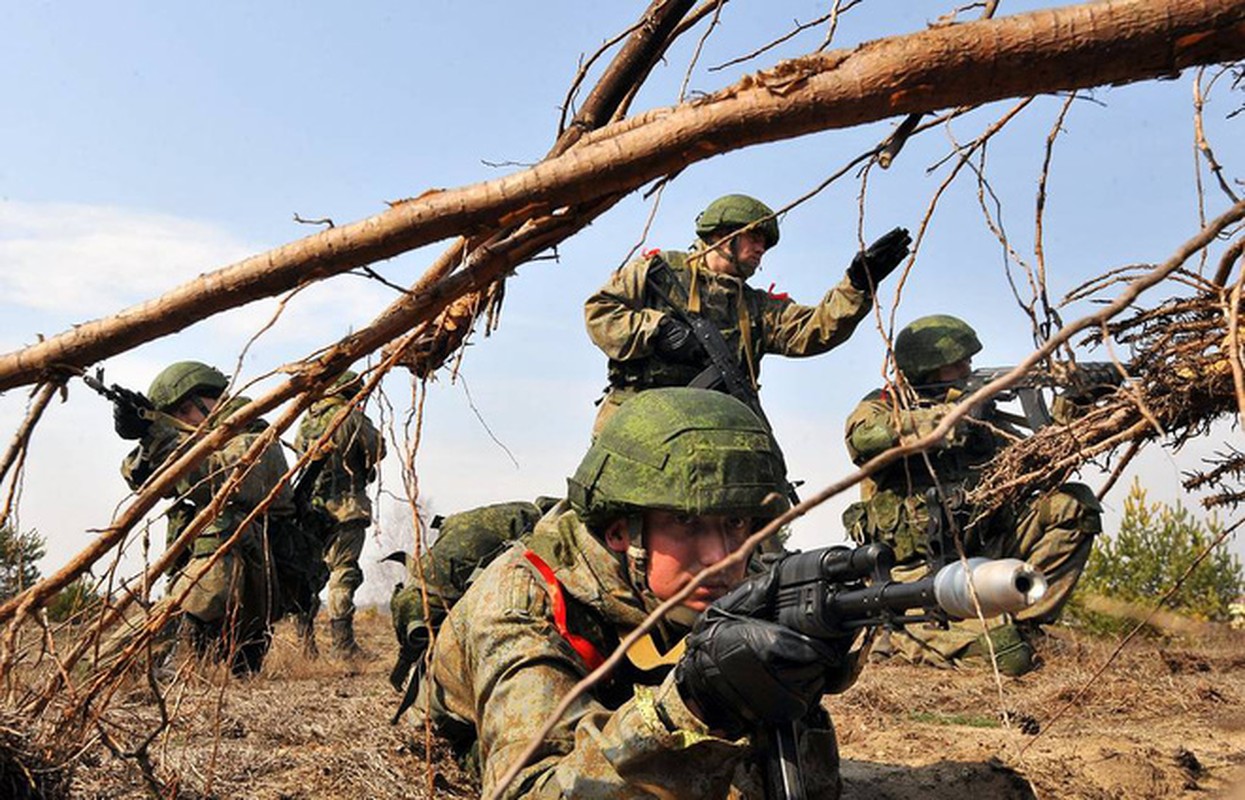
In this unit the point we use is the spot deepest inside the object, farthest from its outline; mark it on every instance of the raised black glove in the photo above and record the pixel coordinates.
(873, 264)
(127, 417)
(675, 341)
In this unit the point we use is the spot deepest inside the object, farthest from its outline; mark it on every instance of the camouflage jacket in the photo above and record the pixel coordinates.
(892, 505)
(353, 453)
(622, 320)
(195, 490)
(500, 667)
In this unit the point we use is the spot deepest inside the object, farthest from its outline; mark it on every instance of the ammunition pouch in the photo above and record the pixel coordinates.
(889, 518)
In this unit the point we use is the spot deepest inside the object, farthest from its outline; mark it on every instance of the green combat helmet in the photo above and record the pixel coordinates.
(679, 449)
(347, 384)
(178, 381)
(930, 343)
(734, 211)
(691, 451)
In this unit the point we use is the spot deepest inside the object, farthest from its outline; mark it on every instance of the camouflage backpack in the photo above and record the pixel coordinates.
(466, 543)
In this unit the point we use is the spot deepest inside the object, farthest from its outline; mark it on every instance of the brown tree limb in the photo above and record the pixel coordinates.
(307, 382)
(646, 42)
(1044, 51)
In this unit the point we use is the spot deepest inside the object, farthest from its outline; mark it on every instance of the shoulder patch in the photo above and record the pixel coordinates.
(650, 253)
(783, 296)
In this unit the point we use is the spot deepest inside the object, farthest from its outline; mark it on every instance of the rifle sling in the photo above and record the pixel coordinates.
(722, 361)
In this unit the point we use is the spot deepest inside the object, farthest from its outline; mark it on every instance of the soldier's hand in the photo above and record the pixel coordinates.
(873, 264)
(675, 341)
(739, 673)
(128, 417)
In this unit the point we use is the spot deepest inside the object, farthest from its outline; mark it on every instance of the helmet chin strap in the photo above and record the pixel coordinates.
(741, 269)
(197, 400)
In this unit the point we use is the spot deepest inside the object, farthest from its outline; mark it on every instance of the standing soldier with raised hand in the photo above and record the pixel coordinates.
(339, 473)
(676, 318)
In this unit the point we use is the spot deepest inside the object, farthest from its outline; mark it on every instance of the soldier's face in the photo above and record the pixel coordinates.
(749, 249)
(681, 546)
(957, 371)
(191, 412)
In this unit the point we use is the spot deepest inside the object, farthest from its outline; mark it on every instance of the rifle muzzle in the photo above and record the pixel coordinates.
(998, 586)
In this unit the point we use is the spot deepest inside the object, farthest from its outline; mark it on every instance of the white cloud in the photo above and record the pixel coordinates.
(93, 260)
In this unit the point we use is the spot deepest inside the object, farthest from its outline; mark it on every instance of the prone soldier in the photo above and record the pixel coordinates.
(674, 482)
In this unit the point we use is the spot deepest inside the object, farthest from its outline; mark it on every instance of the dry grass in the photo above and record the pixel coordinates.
(1163, 721)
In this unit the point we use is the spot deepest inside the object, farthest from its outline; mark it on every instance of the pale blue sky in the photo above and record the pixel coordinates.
(148, 142)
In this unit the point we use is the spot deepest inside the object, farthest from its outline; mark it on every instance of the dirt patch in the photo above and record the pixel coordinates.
(1164, 721)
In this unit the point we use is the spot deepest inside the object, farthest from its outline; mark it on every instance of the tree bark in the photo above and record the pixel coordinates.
(646, 44)
(1051, 50)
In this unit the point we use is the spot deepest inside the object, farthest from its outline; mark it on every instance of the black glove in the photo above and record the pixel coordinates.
(740, 672)
(675, 341)
(870, 266)
(127, 417)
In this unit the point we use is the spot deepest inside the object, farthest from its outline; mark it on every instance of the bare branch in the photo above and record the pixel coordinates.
(1026, 53)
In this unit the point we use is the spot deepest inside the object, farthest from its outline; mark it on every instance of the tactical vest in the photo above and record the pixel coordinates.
(894, 505)
(356, 448)
(664, 269)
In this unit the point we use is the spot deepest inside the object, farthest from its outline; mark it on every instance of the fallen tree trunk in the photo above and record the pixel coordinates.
(1043, 51)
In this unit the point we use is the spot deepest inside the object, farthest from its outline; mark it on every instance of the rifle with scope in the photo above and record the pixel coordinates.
(834, 592)
(1080, 382)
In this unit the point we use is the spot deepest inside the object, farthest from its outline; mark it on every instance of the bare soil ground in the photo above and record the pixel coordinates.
(1165, 720)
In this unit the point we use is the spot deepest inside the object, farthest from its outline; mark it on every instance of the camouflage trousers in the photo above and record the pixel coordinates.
(1054, 533)
(227, 606)
(342, 559)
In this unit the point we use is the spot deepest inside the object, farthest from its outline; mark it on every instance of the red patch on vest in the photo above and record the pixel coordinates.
(650, 253)
(777, 295)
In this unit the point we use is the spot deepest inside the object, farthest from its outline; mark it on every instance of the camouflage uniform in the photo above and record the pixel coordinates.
(1054, 532)
(622, 319)
(230, 602)
(466, 542)
(500, 667)
(339, 492)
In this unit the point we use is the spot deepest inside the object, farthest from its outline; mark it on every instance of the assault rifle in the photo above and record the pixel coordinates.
(1084, 380)
(132, 414)
(833, 592)
(723, 372)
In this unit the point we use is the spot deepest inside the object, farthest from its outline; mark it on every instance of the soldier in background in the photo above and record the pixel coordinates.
(674, 482)
(640, 317)
(227, 611)
(1054, 532)
(339, 474)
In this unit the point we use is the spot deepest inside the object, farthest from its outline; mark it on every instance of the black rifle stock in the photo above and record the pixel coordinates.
(834, 592)
(723, 371)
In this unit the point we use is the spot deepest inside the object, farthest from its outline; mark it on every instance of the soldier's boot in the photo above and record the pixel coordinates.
(344, 644)
(1013, 654)
(305, 626)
